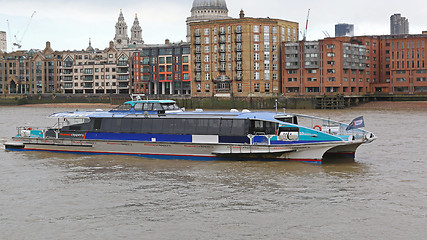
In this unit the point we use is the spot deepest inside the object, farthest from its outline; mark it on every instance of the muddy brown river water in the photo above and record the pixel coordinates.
(382, 195)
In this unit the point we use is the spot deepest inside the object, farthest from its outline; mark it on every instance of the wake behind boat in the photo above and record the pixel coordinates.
(160, 129)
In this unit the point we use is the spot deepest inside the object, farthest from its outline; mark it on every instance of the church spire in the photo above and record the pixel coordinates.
(90, 48)
(121, 38)
(136, 32)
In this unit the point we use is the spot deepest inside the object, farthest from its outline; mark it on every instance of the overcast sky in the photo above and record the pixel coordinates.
(68, 24)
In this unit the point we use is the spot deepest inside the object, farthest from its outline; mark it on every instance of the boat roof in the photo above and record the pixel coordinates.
(150, 101)
(266, 116)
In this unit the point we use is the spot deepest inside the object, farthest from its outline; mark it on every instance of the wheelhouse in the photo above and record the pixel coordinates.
(148, 105)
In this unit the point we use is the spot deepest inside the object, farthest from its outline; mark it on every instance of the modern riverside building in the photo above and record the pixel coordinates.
(398, 25)
(355, 66)
(32, 71)
(238, 57)
(162, 69)
(344, 30)
(95, 71)
(3, 42)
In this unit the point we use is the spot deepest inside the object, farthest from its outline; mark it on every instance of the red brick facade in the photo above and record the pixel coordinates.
(355, 66)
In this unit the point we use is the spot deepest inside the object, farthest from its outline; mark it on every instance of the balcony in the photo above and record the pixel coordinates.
(88, 78)
(67, 72)
(222, 90)
(122, 71)
(123, 64)
(123, 85)
(123, 78)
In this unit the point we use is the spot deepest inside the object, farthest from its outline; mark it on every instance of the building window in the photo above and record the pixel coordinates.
(256, 29)
(256, 87)
(267, 87)
(274, 67)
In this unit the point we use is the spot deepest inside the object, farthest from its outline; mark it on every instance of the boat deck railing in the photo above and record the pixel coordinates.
(55, 141)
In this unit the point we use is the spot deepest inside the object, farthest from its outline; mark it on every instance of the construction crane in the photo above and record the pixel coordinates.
(306, 26)
(18, 42)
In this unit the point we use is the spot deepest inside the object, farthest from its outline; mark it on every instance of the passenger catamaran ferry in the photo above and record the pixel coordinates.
(160, 129)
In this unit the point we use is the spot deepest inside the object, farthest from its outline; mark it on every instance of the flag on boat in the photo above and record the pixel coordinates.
(356, 123)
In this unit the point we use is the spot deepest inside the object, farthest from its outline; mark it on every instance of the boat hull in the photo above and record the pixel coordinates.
(188, 151)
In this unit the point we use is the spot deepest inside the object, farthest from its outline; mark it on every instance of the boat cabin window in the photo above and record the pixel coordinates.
(123, 107)
(288, 119)
(262, 127)
(97, 123)
(138, 107)
(157, 107)
(170, 106)
(175, 126)
(147, 106)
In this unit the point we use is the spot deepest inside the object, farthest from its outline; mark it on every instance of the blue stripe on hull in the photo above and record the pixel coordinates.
(186, 138)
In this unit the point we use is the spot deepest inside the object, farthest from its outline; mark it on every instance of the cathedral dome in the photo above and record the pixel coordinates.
(209, 5)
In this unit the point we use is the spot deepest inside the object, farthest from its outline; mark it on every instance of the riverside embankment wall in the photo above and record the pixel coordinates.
(294, 102)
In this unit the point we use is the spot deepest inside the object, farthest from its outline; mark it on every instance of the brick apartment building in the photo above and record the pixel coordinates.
(96, 72)
(239, 57)
(403, 67)
(30, 72)
(355, 66)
